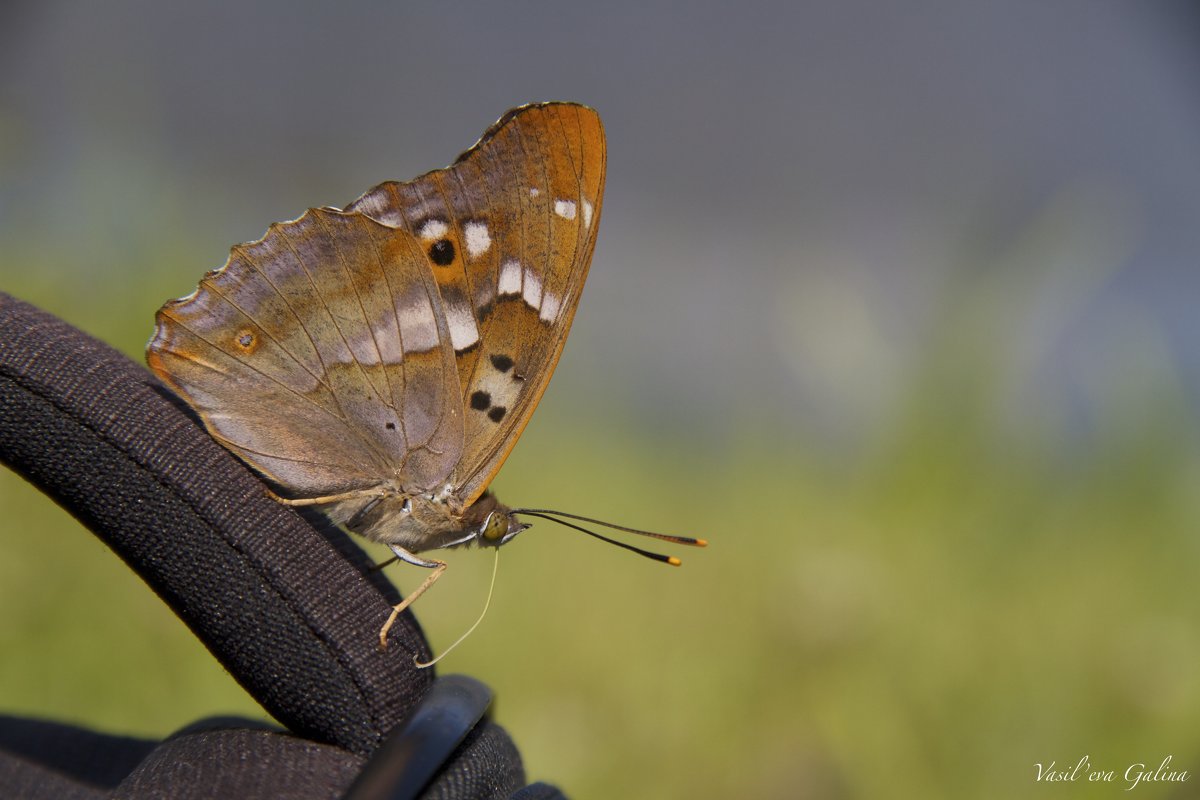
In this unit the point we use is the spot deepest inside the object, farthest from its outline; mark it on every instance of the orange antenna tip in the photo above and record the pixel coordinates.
(673, 561)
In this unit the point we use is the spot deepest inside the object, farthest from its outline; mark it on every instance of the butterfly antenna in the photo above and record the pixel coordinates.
(491, 590)
(554, 516)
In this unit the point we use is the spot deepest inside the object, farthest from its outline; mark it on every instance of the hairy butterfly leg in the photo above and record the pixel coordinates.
(438, 568)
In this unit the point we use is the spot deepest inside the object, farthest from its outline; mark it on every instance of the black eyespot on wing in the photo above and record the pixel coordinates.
(480, 400)
(496, 413)
(502, 362)
(391, 426)
(442, 252)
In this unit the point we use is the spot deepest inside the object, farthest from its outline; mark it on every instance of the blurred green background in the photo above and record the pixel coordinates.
(894, 305)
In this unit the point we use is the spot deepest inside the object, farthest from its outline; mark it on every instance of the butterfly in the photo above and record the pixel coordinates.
(380, 361)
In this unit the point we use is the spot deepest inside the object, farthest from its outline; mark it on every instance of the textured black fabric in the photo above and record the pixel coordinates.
(95, 432)
(246, 764)
(47, 759)
(539, 791)
(289, 608)
(485, 744)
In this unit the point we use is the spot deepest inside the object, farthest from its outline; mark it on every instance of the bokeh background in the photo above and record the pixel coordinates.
(894, 303)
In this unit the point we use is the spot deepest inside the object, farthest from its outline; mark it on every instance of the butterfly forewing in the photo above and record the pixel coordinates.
(334, 324)
(510, 228)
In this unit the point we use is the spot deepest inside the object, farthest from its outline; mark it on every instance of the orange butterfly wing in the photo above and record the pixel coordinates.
(510, 229)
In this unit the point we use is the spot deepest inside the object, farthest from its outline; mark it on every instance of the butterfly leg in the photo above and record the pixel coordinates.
(329, 498)
(438, 568)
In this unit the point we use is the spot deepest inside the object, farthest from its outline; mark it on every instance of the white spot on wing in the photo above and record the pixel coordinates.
(463, 332)
(478, 239)
(503, 389)
(418, 328)
(533, 191)
(550, 303)
(587, 214)
(565, 208)
(370, 351)
(433, 229)
(532, 289)
(389, 350)
(510, 278)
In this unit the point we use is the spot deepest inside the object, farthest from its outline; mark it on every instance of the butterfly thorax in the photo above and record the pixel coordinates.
(432, 521)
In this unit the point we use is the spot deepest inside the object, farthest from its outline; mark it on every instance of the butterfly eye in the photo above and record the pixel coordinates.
(495, 527)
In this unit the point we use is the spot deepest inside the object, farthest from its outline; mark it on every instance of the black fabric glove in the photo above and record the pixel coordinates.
(289, 607)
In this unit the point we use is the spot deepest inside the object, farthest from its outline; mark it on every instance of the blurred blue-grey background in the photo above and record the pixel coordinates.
(894, 303)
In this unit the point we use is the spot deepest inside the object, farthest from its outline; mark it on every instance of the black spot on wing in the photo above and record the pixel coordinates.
(442, 252)
(482, 401)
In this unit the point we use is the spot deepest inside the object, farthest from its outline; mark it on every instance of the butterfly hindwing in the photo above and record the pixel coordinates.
(334, 324)
(510, 229)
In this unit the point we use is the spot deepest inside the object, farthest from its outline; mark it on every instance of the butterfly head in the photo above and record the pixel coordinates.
(500, 527)
(492, 522)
